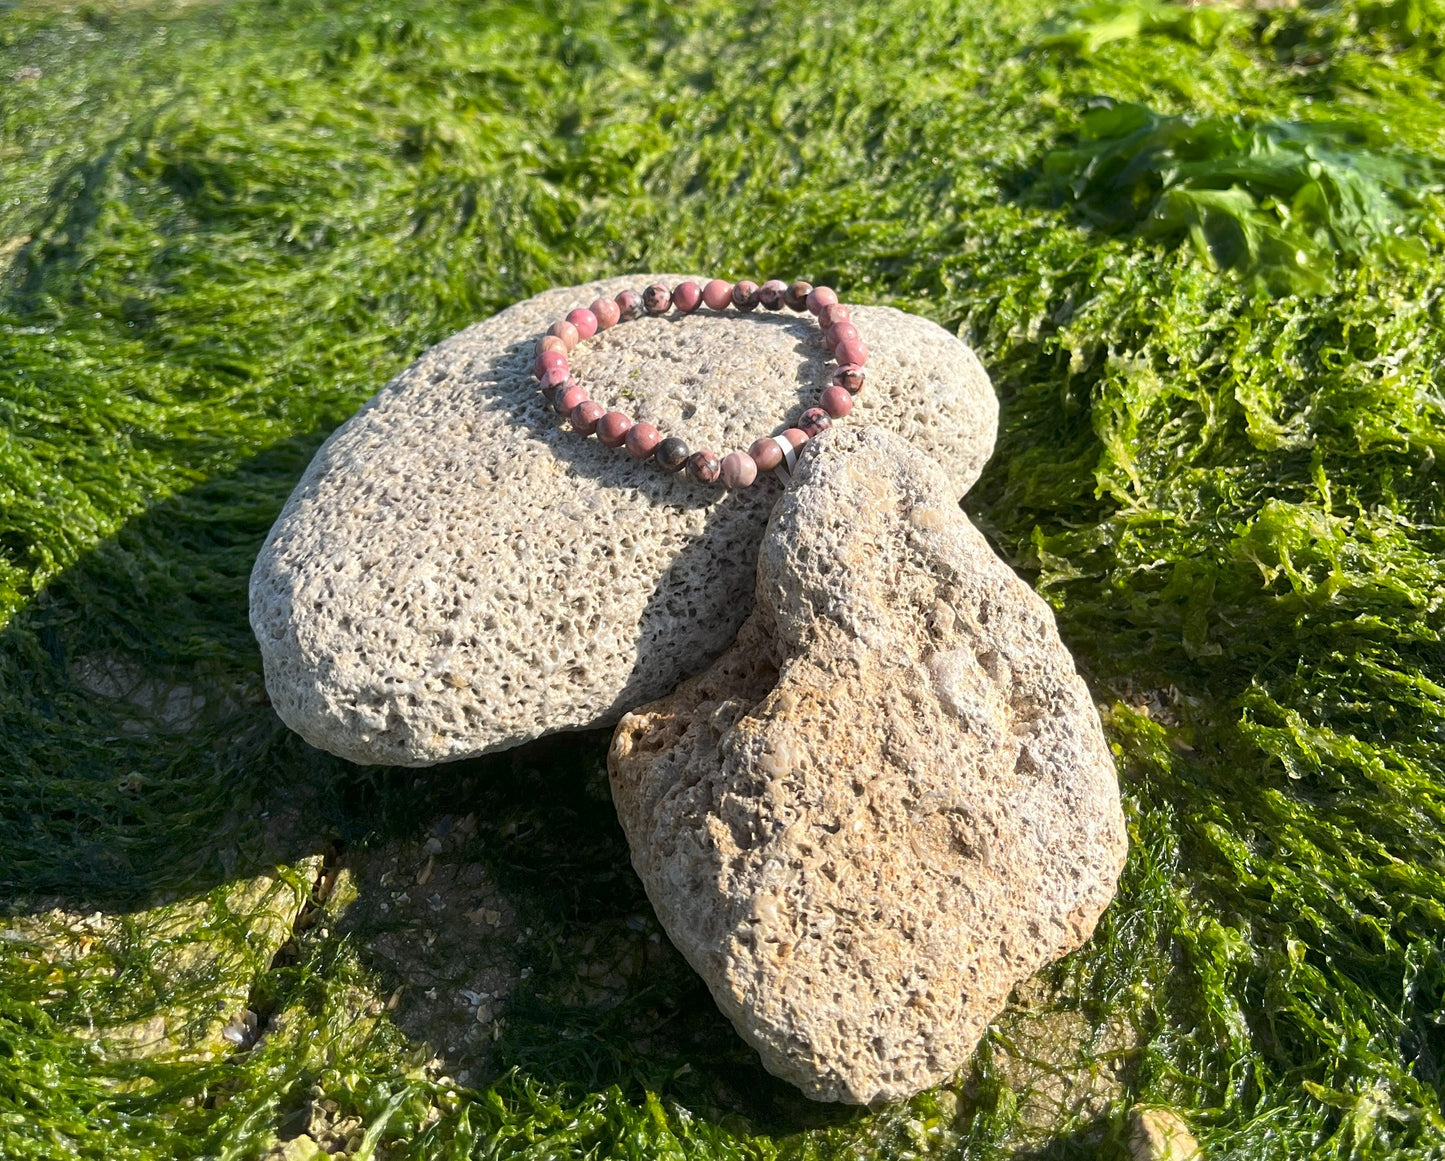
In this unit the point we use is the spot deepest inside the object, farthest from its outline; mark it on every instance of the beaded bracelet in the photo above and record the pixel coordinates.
(736, 469)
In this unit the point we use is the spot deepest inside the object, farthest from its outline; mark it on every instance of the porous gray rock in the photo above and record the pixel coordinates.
(457, 572)
(889, 801)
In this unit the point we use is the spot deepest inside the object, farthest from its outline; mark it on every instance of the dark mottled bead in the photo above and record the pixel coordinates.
(671, 454)
(770, 294)
(554, 379)
(703, 467)
(796, 297)
(585, 415)
(850, 377)
(814, 420)
(629, 306)
(686, 296)
(745, 296)
(657, 299)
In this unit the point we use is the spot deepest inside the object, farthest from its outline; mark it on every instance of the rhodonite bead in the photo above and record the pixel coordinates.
(686, 297)
(671, 454)
(568, 398)
(554, 379)
(836, 401)
(550, 343)
(703, 467)
(585, 415)
(717, 294)
(564, 331)
(745, 295)
(738, 470)
(850, 377)
(629, 305)
(584, 320)
(546, 360)
(839, 333)
(795, 436)
(832, 314)
(815, 420)
(766, 454)
(642, 440)
(797, 295)
(853, 351)
(819, 297)
(612, 428)
(770, 294)
(606, 312)
(656, 299)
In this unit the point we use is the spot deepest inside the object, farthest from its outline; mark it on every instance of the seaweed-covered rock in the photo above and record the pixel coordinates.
(457, 572)
(889, 802)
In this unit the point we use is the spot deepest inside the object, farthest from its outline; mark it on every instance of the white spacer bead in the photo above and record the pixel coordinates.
(784, 471)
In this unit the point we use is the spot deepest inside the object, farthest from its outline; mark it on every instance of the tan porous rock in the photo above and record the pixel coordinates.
(459, 572)
(889, 801)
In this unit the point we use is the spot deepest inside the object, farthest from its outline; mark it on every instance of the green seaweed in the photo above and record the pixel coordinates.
(1282, 202)
(225, 224)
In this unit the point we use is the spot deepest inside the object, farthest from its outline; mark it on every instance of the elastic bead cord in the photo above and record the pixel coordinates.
(775, 453)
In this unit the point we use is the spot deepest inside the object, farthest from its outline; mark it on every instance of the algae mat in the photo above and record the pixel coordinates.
(1200, 250)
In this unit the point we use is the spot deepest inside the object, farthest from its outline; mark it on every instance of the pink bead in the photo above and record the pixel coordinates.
(717, 294)
(850, 377)
(585, 416)
(815, 421)
(564, 331)
(547, 360)
(766, 454)
(795, 437)
(612, 428)
(569, 398)
(840, 333)
(657, 299)
(851, 351)
(629, 305)
(550, 343)
(686, 297)
(836, 401)
(771, 292)
(738, 470)
(553, 379)
(745, 295)
(605, 311)
(833, 313)
(642, 440)
(585, 322)
(819, 297)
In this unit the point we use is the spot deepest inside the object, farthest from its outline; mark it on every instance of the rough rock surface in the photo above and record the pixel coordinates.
(457, 572)
(889, 802)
